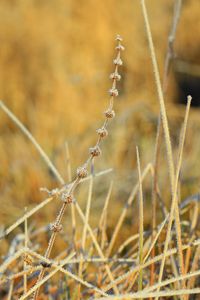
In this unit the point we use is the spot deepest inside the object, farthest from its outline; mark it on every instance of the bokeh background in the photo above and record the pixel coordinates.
(55, 61)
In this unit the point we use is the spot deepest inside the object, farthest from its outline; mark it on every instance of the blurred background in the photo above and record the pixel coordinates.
(55, 61)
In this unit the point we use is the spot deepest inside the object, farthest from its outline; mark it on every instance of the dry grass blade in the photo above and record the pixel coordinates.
(103, 218)
(168, 59)
(156, 237)
(174, 205)
(88, 206)
(26, 246)
(194, 266)
(25, 216)
(10, 290)
(105, 205)
(170, 47)
(125, 209)
(69, 179)
(33, 140)
(11, 259)
(141, 221)
(160, 96)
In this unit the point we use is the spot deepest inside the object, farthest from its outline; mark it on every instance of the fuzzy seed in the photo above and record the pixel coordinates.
(118, 61)
(115, 76)
(109, 114)
(95, 151)
(55, 227)
(113, 92)
(119, 38)
(102, 132)
(82, 172)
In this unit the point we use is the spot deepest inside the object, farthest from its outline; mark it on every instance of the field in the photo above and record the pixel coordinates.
(99, 124)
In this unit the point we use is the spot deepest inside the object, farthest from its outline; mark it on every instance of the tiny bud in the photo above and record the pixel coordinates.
(55, 227)
(82, 172)
(115, 76)
(118, 61)
(102, 132)
(66, 198)
(109, 114)
(95, 151)
(119, 38)
(120, 47)
(113, 92)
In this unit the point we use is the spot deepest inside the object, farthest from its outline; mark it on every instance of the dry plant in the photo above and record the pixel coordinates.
(158, 263)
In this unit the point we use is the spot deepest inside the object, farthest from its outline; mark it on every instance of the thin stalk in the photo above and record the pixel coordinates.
(125, 209)
(141, 221)
(103, 218)
(33, 141)
(69, 179)
(168, 60)
(171, 170)
(174, 206)
(26, 246)
(89, 198)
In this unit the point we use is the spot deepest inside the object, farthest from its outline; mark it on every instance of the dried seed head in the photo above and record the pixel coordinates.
(95, 151)
(82, 172)
(116, 76)
(118, 61)
(109, 113)
(119, 38)
(113, 92)
(120, 47)
(102, 132)
(66, 198)
(55, 227)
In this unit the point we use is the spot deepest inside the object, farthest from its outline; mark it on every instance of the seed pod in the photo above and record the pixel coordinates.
(109, 113)
(95, 151)
(66, 198)
(102, 132)
(55, 227)
(119, 38)
(118, 61)
(116, 76)
(82, 172)
(113, 92)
